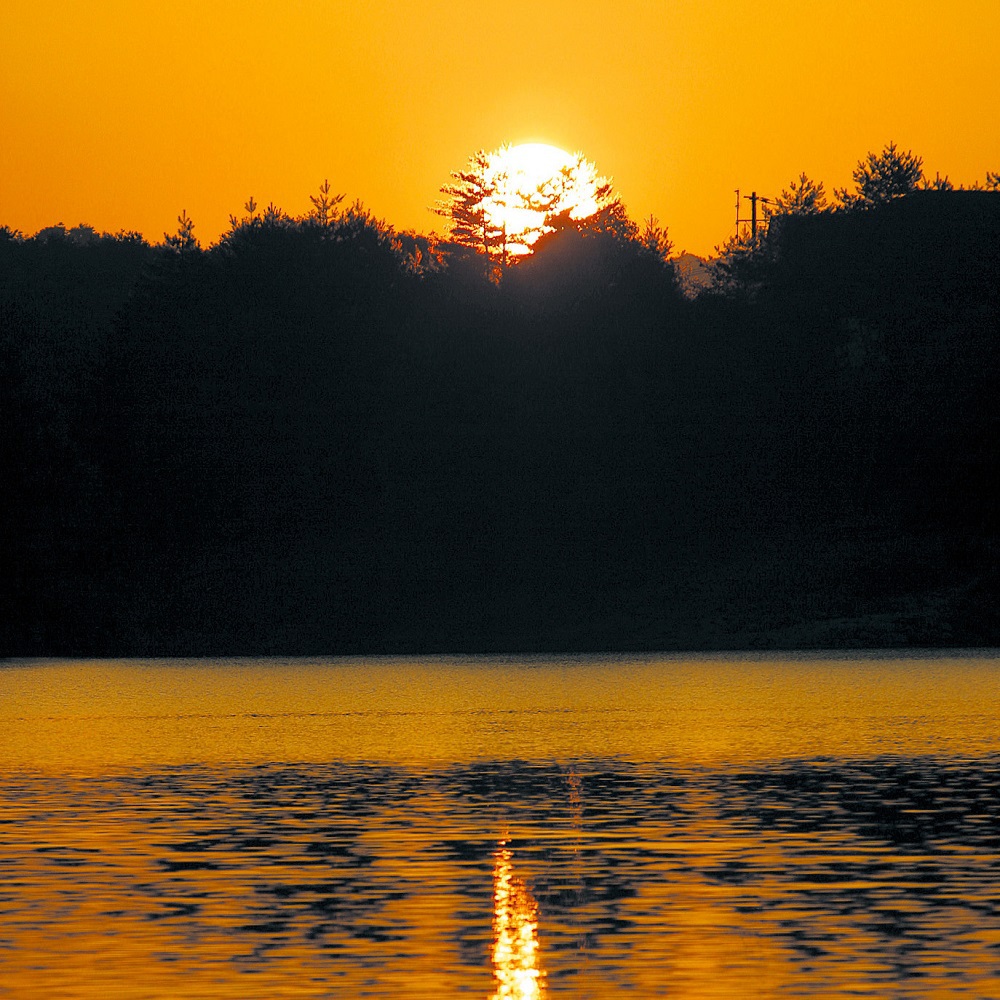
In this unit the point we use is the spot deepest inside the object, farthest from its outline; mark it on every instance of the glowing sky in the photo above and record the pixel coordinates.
(120, 113)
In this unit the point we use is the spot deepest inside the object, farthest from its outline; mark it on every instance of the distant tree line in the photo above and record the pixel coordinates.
(320, 435)
(879, 178)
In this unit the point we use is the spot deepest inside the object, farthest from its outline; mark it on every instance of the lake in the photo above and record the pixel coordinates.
(711, 826)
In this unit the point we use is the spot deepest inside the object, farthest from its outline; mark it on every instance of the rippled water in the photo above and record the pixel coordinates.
(584, 828)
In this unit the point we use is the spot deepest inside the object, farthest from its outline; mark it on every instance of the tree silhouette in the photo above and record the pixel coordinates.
(466, 202)
(183, 241)
(741, 263)
(611, 220)
(880, 177)
(562, 192)
(654, 238)
(249, 220)
(804, 197)
(938, 184)
(603, 262)
(324, 209)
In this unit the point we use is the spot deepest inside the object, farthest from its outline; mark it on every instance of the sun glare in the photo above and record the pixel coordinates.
(515, 933)
(534, 180)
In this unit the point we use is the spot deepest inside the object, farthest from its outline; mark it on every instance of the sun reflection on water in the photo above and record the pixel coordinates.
(308, 832)
(515, 933)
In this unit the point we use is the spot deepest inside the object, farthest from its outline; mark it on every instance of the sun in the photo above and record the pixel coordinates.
(534, 180)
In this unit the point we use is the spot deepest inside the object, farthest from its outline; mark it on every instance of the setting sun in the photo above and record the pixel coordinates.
(669, 98)
(535, 180)
(501, 202)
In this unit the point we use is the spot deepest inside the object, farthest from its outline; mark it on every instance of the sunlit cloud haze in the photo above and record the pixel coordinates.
(121, 113)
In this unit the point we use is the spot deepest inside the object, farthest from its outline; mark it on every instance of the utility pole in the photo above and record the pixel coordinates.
(753, 198)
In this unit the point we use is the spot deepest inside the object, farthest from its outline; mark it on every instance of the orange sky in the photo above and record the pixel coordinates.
(120, 113)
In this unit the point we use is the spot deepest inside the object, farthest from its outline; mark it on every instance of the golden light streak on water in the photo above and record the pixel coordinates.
(702, 829)
(515, 933)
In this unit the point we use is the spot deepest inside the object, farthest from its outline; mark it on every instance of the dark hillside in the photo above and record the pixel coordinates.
(300, 442)
(888, 320)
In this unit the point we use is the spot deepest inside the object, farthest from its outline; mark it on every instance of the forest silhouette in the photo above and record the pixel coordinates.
(321, 436)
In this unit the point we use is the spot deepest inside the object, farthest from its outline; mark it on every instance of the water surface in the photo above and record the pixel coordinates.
(711, 827)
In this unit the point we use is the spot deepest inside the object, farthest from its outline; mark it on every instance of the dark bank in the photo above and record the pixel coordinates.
(331, 438)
